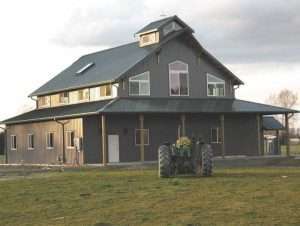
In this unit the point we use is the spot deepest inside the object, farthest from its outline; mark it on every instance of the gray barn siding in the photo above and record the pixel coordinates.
(159, 73)
(124, 126)
(241, 136)
(92, 139)
(240, 133)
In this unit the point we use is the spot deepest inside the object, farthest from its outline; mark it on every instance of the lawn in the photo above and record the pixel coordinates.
(294, 150)
(248, 196)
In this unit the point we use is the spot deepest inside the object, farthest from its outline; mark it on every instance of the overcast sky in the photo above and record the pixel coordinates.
(258, 40)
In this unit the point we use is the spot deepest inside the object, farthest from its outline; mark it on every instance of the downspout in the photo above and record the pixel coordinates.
(5, 143)
(63, 138)
(36, 103)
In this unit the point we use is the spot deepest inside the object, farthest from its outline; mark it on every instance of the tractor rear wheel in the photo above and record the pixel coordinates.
(206, 161)
(164, 161)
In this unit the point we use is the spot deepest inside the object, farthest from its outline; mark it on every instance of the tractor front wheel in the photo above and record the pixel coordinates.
(164, 161)
(207, 165)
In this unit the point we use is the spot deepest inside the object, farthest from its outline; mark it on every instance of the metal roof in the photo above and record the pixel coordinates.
(69, 111)
(108, 65)
(191, 105)
(149, 105)
(271, 123)
(155, 25)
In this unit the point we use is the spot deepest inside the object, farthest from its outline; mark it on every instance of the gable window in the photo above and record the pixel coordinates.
(13, 142)
(30, 141)
(50, 140)
(138, 135)
(44, 101)
(139, 85)
(64, 98)
(215, 86)
(215, 136)
(70, 139)
(178, 79)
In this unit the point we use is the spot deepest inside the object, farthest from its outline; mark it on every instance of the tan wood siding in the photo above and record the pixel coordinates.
(41, 154)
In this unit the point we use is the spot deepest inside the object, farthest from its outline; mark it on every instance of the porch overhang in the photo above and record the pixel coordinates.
(135, 105)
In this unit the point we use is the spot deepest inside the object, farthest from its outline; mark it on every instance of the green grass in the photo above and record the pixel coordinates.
(249, 196)
(2, 159)
(294, 149)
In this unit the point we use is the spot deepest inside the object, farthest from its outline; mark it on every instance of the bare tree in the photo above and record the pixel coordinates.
(285, 98)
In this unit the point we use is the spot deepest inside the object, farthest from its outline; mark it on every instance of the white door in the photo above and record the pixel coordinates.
(113, 148)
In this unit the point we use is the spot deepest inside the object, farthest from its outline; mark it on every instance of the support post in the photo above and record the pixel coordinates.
(287, 131)
(259, 141)
(222, 121)
(142, 146)
(278, 142)
(183, 125)
(104, 140)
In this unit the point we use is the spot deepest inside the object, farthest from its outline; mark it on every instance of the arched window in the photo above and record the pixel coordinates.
(178, 79)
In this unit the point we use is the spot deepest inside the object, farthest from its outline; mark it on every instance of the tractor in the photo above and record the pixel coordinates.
(186, 156)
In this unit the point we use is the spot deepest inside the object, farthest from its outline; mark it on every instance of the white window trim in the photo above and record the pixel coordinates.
(135, 131)
(179, 71)
(218, 138)
(28, 135)
(132, 77)
(11, 146)
(67, 132)
(214, 83)
(47, 145)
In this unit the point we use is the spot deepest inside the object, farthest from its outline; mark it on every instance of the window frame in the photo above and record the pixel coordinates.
(67, 135)
(65, 98)
(135, 137)
(215, 85)
(30, 143)
(13, 147)
(47, 144)
(139, 82)
(47, 101)
(218, 141)
(179, 72)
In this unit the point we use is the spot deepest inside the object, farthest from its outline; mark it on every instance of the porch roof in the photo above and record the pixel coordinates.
(191, 105)
(149, 105)
(56, 113)
(271, 123)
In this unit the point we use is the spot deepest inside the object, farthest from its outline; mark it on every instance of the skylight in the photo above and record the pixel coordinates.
(86, 67)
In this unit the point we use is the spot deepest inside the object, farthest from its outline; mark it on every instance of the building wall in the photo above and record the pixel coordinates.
(241, 136)
(240, 133)
(92, 139)
(41, 154)
(159, 72)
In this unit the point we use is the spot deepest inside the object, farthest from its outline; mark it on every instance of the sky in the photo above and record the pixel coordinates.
(257, 40)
